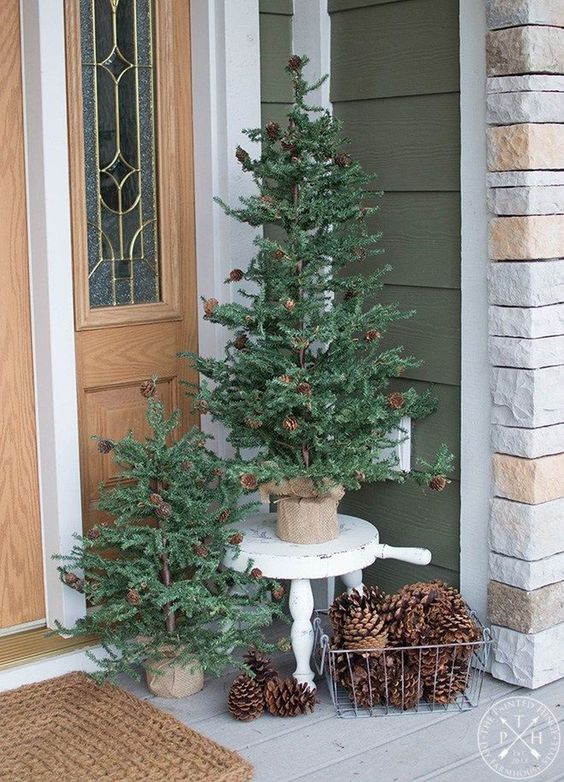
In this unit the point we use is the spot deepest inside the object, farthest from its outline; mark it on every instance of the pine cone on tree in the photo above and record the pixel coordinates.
(133, 597)
(304, 388)
(261, 665)
(245, 701)
(272, 130)
(210, 305)
(148, 388)
(396, 400)
(288, 697)
(240, 341)
(248, 481)
(278, 593)
(236, 275)
(371, 597)
(294, 63)
(290, 423)
(105, 446)
(343, 160)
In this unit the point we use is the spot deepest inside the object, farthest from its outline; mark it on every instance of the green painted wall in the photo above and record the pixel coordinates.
(395, 84)
(275, 49)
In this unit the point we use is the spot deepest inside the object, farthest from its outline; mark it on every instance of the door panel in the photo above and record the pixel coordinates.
(133, 229)
(21, 568)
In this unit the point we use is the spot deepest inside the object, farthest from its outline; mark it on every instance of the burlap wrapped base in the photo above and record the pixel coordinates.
(303, 515)
(169, 679)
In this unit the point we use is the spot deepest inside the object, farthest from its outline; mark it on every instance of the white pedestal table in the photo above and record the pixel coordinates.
(356, 547)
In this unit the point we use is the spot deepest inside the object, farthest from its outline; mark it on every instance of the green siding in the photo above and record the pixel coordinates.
(395, 84)
(275, 49)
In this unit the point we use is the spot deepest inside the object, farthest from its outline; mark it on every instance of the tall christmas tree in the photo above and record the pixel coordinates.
(305, 379)
(153, 573)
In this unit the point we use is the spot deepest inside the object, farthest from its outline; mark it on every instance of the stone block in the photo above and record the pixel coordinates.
(527, 575)
(526, 238)
(528, 532)
(526, 200)
(529, 443)
(525, 146)
(525, 178)
(536, 82)
(525, 50)
(529, 284)
(511, 13)
(508, 108)
(523, 610)
(529, 322)
(526, 353)
(527, 397)
(528, 660)
(533, 481)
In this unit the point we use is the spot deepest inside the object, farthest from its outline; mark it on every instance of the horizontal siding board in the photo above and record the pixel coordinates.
(407, 515)
(422, 58)
(390, 575)
(285, 7)
(334, 6)
(432, 335)
(411, 143)
(420, 238)
(276, 47)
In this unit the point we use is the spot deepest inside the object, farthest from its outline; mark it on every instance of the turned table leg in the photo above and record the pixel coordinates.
(353, 580)
(301, 608)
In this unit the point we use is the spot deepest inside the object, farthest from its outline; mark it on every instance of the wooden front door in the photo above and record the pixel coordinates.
(129, 108)
(21, 565)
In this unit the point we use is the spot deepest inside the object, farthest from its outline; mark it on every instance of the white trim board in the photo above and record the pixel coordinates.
(475, 477)
(48, 667)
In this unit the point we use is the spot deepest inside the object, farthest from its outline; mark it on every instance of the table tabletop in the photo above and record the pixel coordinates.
(354, 549)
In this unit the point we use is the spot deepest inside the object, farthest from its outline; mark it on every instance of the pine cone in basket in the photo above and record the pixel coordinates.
(449, 683)
(288, 697)
(245, 700)
(364, 629)
(367, 690)
(400, 685)
(404, 612)
(261, 665)
(371, 597)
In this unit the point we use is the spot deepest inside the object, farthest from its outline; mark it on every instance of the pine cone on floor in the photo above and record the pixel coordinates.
(288, 697)
(245, 701)
(371, 597)
(261, 665)
(449, 683)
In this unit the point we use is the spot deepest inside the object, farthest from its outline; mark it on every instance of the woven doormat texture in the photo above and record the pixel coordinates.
(69, 728)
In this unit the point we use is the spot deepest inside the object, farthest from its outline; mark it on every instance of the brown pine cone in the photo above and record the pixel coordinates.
(285, 378)
(240, 341)
(155, 499)
(365, 691)
(256, 574)
(350, 294)
(304, 388)
(236, 539)
(253, 423)
(245, 701)
(343, 160)
(235, 275)
(224, 515)
(396, 400)
(210, 305)
(400, 685)
(248, 481)
(71, 579)
(290, 304)
(163, 510)
(148, 388)
(133, 597)
(278, 593)
(261, 665)
(438, 483)
(201, 551)
(272, 130)
(93, 533)
(397, 608)
(290, 423)
(242, 155)
(279, 254)
(360, 476)
(448, 684)
(288, 698)
(295, 62)
(372, 335)
(340, 611)
(362, 623)
(105, 446)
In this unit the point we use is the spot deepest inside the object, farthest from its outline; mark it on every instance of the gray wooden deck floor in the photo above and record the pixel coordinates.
(320, 746)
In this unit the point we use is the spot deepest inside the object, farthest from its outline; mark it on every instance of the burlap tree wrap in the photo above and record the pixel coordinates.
(304, 515)
(168, 678)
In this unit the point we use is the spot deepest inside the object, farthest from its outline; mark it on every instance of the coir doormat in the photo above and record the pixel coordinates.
(70, 728)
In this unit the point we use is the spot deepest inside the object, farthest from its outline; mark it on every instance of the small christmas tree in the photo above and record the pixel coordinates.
(306, 375)
(153, 575)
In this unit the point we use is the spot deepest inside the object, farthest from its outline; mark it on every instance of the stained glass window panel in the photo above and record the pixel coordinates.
(120, 151)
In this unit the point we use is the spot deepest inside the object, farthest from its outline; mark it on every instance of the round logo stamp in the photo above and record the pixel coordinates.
(518, 737)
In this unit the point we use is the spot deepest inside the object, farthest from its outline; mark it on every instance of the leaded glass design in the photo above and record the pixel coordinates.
(120, 157)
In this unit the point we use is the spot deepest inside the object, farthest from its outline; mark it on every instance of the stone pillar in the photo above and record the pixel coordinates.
(525, 104)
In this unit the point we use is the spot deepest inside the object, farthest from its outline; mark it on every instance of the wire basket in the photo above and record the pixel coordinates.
(402, 680)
